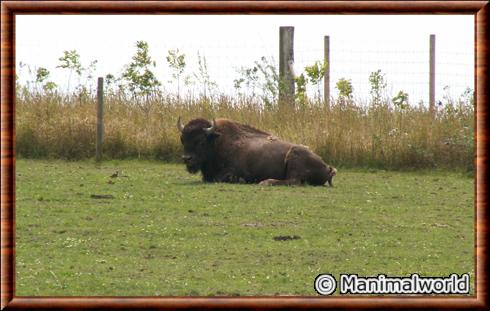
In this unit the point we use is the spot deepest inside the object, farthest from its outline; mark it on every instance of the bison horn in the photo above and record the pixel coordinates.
(180, 126)
(210, 130)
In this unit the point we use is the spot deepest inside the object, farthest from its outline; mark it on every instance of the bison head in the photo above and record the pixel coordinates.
(198, 138)
(332, 171)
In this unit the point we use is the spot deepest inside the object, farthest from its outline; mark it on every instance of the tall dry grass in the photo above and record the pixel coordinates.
(345, 135)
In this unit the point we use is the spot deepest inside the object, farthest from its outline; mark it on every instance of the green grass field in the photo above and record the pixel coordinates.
(163, 232)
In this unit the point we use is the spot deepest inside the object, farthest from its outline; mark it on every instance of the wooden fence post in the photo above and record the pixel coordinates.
(326, 78)
(286, 62)
(432, 74)
(100, 119)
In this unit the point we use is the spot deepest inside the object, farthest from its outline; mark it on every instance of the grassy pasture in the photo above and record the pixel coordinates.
(164, 232)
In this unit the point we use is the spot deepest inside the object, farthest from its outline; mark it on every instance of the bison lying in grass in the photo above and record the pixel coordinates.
(227, 151)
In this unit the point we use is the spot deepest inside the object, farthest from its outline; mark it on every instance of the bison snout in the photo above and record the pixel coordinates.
(186, 158)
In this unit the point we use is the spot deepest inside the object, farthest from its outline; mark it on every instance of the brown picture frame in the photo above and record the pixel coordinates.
(480, 9)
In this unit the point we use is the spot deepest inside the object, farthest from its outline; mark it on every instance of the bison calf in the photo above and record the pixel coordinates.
(227, 151)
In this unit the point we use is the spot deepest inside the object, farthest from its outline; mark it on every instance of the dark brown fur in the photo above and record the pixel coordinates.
(237, 152)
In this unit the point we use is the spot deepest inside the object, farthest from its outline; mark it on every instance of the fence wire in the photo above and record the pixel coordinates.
(405, 65)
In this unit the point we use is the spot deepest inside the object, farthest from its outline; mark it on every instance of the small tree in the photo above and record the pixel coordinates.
(401, 103)
(113, 84)
(378, 86)
(315, 74)
(301, 82)
(176, 61)
(400, 100)
(203, 76)
(345, 89)
(263, 76)
(138, 74)
(270, 80)
(237, 83)
(71, 61)
(42, 75)
(249, 77)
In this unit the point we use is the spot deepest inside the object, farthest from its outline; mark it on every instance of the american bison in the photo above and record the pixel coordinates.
(227, 151)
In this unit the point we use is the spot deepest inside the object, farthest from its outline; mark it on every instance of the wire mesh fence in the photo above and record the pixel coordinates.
(404, 62)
